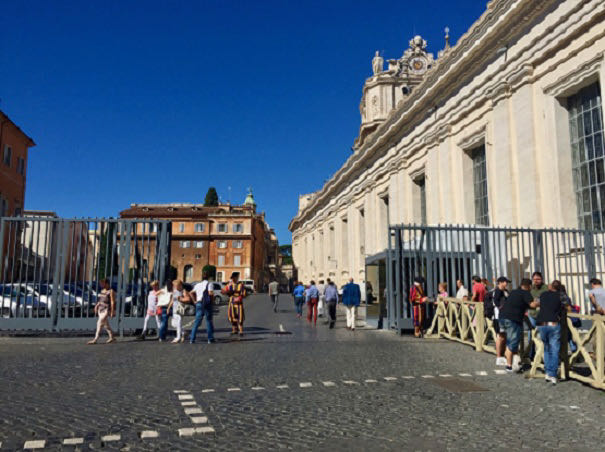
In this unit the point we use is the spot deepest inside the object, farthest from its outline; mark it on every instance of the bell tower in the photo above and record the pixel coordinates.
(386, 88)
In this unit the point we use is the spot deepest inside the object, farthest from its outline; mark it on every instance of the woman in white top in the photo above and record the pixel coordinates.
(180, 298)
(152, 307)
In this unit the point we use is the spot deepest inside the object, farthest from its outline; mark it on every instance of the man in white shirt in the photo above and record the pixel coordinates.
(462, 293)
(202, 297)
(321, 306)
(274, 293)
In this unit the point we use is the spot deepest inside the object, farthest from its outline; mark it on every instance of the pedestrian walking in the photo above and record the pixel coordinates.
(511, 322)
(299, 298)
(351, 299)
(418, 300)
(312, 301)
(549, 328)
(164, 302)
(202, 296)
(180, 299)
(105, 308)
(321, 305)
(235, 311)
(331, 300)
(152, 307)
(274, 293)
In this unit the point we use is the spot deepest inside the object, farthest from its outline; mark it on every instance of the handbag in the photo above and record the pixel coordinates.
(180, 309)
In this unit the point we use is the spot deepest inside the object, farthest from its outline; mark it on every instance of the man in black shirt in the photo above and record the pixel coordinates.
(499, 297)
(511, 322)
(551, 307)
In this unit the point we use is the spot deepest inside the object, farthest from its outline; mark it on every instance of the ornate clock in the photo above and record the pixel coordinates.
(418, 65)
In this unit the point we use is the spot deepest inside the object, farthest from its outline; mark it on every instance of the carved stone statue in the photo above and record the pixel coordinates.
(377, 63)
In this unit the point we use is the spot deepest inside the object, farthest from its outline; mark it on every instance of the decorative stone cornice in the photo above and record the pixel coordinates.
(568, 81)
(474, 139)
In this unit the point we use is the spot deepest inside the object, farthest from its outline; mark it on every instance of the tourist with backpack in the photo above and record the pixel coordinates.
(202, 297)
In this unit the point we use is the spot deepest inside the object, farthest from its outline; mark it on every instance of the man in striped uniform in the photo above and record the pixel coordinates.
(237, 292)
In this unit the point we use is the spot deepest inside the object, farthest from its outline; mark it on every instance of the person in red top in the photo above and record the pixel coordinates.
(418, 299)
(479, 290)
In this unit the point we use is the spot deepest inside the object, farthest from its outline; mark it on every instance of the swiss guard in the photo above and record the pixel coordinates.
(237, 292)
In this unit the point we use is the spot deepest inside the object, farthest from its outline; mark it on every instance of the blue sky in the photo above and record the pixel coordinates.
(155, 101)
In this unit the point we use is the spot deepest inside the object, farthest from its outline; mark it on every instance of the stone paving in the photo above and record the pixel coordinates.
(285, 385)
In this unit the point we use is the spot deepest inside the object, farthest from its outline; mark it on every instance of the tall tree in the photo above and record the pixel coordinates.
(211, 197)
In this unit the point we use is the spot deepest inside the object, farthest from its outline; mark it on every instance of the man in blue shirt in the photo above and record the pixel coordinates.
(299, 298)
(351, 298)
(331, 295)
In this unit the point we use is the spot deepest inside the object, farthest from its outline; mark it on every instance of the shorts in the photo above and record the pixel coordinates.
(513, 332)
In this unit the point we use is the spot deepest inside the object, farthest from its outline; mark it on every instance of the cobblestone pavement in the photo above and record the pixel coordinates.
(309, 388)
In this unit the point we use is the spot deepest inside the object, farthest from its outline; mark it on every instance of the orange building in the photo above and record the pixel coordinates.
(231, 238)
(14, 145)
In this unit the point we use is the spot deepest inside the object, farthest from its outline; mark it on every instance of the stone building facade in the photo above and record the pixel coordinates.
(504, 128)
(231, 238)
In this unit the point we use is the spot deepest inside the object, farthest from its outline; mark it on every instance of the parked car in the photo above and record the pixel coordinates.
(17, 301)
(249, 285)
(219, 297)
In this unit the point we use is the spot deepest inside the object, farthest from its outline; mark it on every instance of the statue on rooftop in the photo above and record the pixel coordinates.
(377, 63)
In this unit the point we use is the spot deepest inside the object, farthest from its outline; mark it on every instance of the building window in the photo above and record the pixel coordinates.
(237, 244)
(181, 227)
(21, 166)
(219, 276)
(198, 256)
(588, 156)
(480, 185)
(238, 227)
(221, 260)
(3, 207)
(237, 260)
(199, 227)
(188, 273)
(18, 211)
(199, 243)
(185, 243)
(222, 227)
(221, 244)
(8, 152)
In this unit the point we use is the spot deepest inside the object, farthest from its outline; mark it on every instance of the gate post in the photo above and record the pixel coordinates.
(2, 265)
(480, 325)
(59, 233)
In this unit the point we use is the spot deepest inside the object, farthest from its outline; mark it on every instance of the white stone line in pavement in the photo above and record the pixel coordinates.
(573, 407)
(193, 430)
(305, 384)
(145, 434)
(180, 391)
(257, 388)
(189, 411)
(428, 376)
(444, 375)
(233, 389)
(390, 378)
(481, 373)
(185, 397)
(408, 377)
(35, 444)
(188, 403)
(108, 438)
(328, 383)
(199, 419)
(465, 375)
(207, 390)
(370, 380)
(500, 371)
(350, 382)
(73, 441)
(282, 386)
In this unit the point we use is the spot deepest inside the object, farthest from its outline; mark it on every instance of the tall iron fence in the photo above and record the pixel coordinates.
(446, 253)
(50, 269)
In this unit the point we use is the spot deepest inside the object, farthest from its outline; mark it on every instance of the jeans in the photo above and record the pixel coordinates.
(163, 323)
(275, 300)
(551, 336)
(513, 332)
(200, 312)
(532, 349)
(298, 304)
(332, 312)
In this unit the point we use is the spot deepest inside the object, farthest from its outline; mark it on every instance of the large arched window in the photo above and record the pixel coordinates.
(188, 273)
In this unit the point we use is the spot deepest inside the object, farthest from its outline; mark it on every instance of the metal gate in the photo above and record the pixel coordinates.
(446, 253)
(50, 269)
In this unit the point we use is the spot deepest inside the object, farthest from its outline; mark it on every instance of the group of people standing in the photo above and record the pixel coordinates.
(172, 300)
(322, 299)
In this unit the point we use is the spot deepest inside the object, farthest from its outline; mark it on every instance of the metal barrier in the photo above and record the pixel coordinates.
(50, 270)
(445, 253)
(464, 321)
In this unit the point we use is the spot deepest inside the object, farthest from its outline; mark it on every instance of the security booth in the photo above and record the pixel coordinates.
(375, 290)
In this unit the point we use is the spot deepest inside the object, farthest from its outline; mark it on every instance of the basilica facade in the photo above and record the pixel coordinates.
(503, 128)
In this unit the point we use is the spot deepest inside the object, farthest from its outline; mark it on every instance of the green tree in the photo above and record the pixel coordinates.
(286, 253)
(210, 270)
(211, 197)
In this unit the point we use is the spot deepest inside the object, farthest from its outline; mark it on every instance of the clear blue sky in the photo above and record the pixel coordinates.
(153, 101)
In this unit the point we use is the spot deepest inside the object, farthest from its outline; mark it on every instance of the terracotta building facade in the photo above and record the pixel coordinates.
(231, 238)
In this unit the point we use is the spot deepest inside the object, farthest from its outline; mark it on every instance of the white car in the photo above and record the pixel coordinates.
(249, 285)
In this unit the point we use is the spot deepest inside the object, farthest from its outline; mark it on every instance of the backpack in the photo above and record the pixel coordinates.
(488, 304)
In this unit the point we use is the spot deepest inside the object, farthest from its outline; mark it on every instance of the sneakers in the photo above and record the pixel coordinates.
(509, 370)
(516, 363)
(501, 361)
(552, 380)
